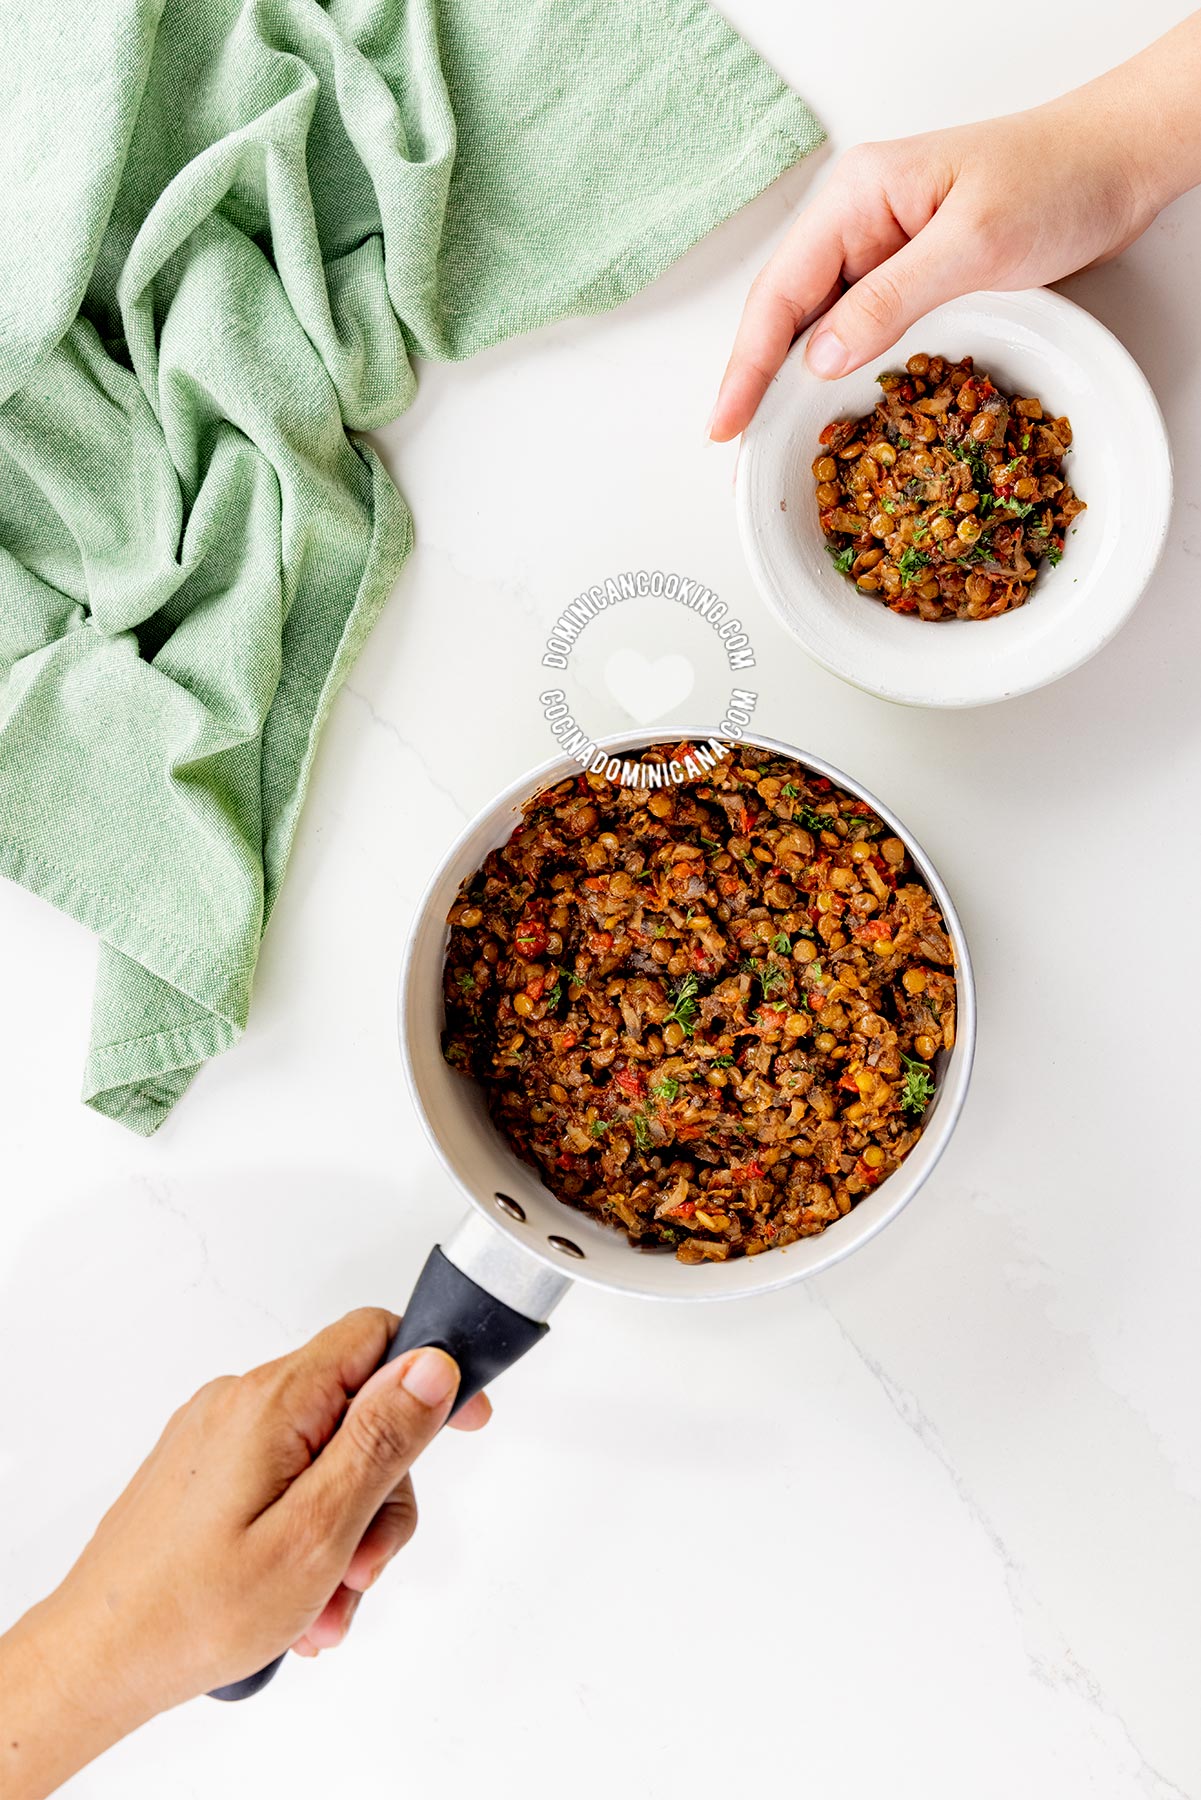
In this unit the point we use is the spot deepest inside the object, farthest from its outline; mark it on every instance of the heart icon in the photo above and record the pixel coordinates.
(645, 689)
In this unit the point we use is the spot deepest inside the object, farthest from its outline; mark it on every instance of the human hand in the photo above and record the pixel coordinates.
(270, 1504)
(1010, 203)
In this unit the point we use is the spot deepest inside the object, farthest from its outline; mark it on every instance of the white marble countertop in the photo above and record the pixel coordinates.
(971, 1454)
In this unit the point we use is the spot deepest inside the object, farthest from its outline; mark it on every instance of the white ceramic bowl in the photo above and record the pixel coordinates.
(1034, 342)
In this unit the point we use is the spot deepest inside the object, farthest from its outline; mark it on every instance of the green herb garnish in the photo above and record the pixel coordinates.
(789, 791)
(782, 944)
(971, 453)
(683, 1005)
(1054, 556)
(723, 1062)
(918, 1089)
(1025, 440)
(563, 977)
(642, 1131)
(813, 821)
(667, 1089)
(599, 1127)
(465, 980)
(842, 558)
(911, 564)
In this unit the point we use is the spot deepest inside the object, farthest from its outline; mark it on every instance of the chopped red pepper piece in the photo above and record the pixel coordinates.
(872, 930)
(530, 937)
(752, 1171)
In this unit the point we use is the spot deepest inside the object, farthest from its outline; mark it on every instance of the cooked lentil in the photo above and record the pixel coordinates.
(946, 500)
(707, 1013)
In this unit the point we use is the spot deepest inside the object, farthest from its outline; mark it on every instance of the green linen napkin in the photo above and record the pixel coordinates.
(228, 226)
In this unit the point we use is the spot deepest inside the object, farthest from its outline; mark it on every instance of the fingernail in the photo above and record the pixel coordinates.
(827, 355)
(431, 1377)
(348, 1621)
(709, 424)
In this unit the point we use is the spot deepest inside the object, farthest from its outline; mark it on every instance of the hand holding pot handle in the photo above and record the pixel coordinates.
(449, 1312)
(270, 1503)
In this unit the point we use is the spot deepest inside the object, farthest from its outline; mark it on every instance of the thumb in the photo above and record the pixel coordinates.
(939, 264)
(390, 1421)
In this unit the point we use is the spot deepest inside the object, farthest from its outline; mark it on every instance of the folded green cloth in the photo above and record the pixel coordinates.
(227, 226)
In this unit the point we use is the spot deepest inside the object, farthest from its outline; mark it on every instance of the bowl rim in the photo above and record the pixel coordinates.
(952, 1092)
(1158, 444)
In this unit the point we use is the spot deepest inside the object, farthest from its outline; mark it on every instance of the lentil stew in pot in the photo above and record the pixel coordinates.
(707, 1013)
(948, 498)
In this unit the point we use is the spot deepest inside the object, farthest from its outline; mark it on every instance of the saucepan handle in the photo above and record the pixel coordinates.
(453, 1313)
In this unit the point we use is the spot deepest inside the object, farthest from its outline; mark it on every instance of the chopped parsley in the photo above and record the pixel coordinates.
(918, 1088)
(563, 978)
(842, 558)
(789, 791)
(599, 1127)
(683, 1005)
(782, 944)
(1025, 440)
(642, 1130)
(667, 1089)
(723, 1062)
(1054, 556)
(813, 821)
(911, 564)
(465, 980)
(970, 453)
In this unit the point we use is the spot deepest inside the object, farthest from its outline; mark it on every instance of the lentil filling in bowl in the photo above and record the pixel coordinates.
(709, 1014)
(948, 499)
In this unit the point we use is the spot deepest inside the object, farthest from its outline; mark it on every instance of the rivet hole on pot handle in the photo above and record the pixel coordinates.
(453, 1313)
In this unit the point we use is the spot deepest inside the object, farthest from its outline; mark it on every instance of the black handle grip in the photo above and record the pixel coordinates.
(453, 1313)
(450, 1312)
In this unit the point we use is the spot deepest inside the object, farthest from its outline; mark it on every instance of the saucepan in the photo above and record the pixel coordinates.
(485, 1296)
